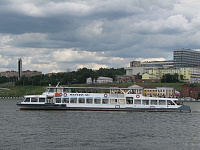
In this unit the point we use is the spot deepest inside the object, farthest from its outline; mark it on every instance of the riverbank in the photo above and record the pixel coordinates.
(10, 98)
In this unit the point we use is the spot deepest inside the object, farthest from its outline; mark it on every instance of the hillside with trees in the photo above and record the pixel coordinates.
(74, 77)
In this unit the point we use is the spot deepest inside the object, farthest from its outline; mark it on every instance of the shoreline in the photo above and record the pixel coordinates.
(15, 98)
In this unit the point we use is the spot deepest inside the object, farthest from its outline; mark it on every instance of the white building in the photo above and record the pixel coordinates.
(134, 70)
(89, 81)
(104, 80)
(99, 80)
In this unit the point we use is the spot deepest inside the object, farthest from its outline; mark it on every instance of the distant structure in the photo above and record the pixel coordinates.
(185, 63)
(19, 68)
(137, 67)
(29, 73)
(135, 64)
(190, 90)
(99, 80)
(9, 74)
(186, 58)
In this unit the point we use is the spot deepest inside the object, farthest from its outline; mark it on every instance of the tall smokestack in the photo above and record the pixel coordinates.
(19, 68)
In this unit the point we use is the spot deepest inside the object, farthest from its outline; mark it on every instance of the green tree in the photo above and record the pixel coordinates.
(168, 78)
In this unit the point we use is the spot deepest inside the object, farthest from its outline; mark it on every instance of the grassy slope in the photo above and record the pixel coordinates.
(19, 91)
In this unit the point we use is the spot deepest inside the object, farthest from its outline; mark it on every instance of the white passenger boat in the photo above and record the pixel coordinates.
(98, 99)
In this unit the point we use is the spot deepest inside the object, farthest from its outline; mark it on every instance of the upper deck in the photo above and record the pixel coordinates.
(91, 90)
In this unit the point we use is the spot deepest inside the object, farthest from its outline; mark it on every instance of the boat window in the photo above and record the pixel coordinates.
(66, 90)
(58, 100)
(33, 99)
(129, 100)
(121, 101)
(73, 100)
(137, 101)
(104, 101)
(153, 102)
(145, 102)
(169, 102)
(97, 100)
(162, 102)
(59, 90)
(27, 100)
(113, 101)
(65, 100)
(89, 100)
(52, 90)
(81, 100)
(41, 99)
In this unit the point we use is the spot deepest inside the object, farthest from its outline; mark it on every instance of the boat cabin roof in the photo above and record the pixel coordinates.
(91, 89)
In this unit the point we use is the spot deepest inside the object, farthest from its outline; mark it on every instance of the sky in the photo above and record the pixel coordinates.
(65, 35)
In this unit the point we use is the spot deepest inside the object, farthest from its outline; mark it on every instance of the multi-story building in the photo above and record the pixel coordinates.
(137, 67)
(186, 58)
(9, 74)
(190, 90)
(186, 63)
(134, 70)
(161, 91)
(188, 74)
(158, 64)
(29, 73)
(125, 78)
(135, 64)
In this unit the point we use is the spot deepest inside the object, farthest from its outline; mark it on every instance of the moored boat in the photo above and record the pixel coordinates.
(99, 99)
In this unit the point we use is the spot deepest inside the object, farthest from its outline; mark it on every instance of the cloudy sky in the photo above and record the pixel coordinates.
(61, 35)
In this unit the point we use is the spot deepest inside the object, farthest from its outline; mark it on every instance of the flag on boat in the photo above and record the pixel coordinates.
(177, 93)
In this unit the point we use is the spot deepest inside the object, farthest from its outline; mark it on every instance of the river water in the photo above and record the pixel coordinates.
(76, 130)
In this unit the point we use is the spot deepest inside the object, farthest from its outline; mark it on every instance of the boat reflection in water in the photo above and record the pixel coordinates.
(98, 99)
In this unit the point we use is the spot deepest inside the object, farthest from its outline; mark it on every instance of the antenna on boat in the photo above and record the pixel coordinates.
(58, 84)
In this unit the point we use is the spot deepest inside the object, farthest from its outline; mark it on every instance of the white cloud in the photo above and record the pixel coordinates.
(4, 39)
(95, 28)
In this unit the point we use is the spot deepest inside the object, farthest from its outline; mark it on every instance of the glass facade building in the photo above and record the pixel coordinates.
(186, 58)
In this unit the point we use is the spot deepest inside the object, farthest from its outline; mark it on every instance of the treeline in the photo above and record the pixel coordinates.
(79, 77)
(74, 77)
(6, 80)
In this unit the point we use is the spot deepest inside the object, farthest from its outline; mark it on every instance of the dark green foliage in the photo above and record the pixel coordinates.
(5, 79)
(168, 78)
(139, 76)
(74, 77)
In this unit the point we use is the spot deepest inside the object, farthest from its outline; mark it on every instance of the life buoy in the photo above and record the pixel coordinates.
(57, 94)
(137, 96)
(105, 95)
(60, 94)
(65, 94)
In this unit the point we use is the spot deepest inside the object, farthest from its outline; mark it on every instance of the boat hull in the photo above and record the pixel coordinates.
(183, 108)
